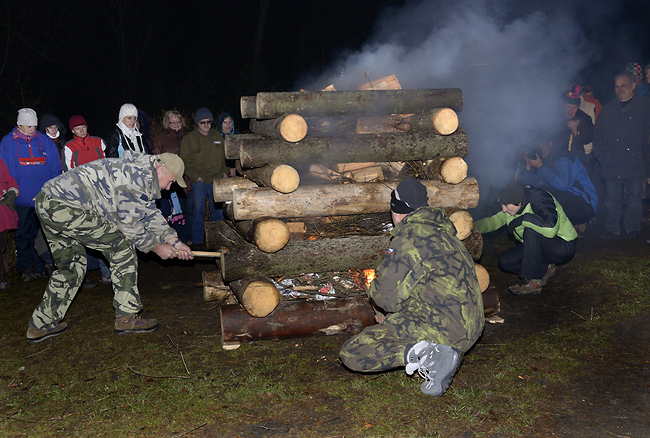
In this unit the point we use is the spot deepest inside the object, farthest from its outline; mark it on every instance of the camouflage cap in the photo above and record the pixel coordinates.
(175, 164)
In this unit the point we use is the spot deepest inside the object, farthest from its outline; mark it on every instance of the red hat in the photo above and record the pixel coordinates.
(77, 120)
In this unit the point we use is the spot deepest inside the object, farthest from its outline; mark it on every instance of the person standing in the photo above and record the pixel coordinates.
(32, 159)
(621, 147)
(126, 136)
(202, 150)
(53, 128)
(226, 126)
(426, 296)
(8, 215)
(107, 205)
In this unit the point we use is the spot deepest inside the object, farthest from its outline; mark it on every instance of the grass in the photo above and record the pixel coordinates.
(181, 383)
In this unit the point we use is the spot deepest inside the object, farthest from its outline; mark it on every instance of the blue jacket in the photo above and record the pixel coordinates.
(621, 138)
(32, 163)
(565, 173)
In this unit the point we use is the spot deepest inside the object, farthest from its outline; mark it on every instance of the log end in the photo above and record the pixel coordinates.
(463, 222)
(293, 128)
(213, 287)
(260, 298)
(285, 179)
(272, 235)
(453, 170)
(445, 121)
(483, 277)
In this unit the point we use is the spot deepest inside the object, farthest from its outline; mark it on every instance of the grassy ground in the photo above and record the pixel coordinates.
(178, 381)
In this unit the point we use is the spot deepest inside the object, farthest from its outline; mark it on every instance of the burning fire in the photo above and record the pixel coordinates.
(363, 278)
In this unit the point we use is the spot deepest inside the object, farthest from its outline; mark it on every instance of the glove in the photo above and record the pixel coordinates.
(515, 223)
(9, 199)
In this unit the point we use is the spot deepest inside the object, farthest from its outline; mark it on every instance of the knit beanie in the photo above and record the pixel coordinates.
(512, 193)
(634, 69)
(77, 120)
(202, 113)
(128, 109)
(408, 196)
(27, 117)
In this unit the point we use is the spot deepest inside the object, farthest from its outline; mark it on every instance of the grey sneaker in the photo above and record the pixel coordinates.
(29, 275)
(134, 324)
(437, 364)
(34, 335)
(526, 287)
(550, 272)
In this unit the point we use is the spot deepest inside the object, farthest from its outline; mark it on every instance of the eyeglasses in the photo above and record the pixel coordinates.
(205, 122)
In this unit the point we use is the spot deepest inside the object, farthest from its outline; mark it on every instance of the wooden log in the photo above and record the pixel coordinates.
(321, 172)
(290, 127)
(268, 234)
(367, 174)
(297, 318)
(451, 170)
(222, 188)
(482, 276)
(218, 235)
(271, 105)
(389, 82)
(474, 244)
(232, 144)
(344, 199)
(296, 228)
(462, 220)
(347, 167)
(350, 148)
(280, 177)
(248, 107)
(300, 256)
(214, 289)
(256, 294)
(390, 123)
(443, 121)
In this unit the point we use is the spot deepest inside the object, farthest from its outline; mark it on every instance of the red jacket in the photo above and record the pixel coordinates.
(8, 218)
(80, 151)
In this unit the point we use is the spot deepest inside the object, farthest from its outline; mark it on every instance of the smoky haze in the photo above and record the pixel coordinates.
(512, 62)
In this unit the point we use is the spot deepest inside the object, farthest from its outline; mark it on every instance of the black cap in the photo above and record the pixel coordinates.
(409, 195)
(512, 193)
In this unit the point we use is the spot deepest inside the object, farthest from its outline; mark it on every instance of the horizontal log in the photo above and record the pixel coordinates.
(451, 170)
(366, 174)
(256, 294)
(222, 187)
(214, 289)
(233, 143)
(344, 199)
(280, 177)
(482, 276)
(271, 105)
(442, 121)
(248, 107)
(293, 319)
(474, 244)
(405, 146)
(462, 220)
(290, 127)
(218, 235)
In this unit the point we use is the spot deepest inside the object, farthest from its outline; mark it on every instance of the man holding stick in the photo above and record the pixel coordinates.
(107, 205)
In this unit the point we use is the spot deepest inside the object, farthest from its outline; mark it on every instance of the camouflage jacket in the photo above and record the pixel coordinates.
(123, 190)
(429, 279)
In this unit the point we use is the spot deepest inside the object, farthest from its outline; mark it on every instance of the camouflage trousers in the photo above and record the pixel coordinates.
(68, 230)
(383, 347)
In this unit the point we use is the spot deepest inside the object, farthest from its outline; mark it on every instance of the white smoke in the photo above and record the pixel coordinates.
(512, 63)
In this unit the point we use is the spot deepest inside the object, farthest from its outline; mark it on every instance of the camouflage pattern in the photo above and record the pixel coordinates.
(122, 190)
(427, 285)
(107, 205)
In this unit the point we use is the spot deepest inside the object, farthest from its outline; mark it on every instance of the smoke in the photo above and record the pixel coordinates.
(512, 62)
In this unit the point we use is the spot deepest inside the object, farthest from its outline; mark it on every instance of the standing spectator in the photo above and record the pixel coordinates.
(32, 159)
(203, 153)
(226, 126)
(621, 146)
(82, 149)
(426, 297)
(634, 69)
(588, 96)
(8, 215)
(176, 205)
(52, 126)
(113, 212)
(578, 130)
(126, 136)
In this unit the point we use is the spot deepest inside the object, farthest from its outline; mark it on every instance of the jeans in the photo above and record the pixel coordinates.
(28, 226)
(200, 191)
(633, 188)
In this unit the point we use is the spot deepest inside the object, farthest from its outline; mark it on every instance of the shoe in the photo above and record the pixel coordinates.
(134, 324)
(437, 364)
(106, 280)
(48, 268)
(550, 272)
(5, 285)
(89, 284)
(527, 287)
(607, 235)
(34, 335)
(41, 274)
(29, 275)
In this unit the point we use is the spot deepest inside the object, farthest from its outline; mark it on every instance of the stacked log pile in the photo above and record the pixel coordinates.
(318, 155)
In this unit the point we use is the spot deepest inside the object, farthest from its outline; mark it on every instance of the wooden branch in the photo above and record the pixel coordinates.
(344, 199)
(271, 105)
(290, 127)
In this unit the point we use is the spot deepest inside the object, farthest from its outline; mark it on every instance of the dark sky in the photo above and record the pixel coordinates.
(68, 57)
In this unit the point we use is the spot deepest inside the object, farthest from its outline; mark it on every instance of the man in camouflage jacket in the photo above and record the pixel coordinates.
(430, 309)
(107, 205)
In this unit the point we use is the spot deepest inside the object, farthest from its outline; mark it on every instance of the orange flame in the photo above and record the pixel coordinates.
(370, 275)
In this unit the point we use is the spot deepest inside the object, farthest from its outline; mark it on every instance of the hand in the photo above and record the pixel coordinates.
(536, 163)
(9, 199)
(164, 251)
(380, 318)
(573, 126)
(183, 251)
(233, 172)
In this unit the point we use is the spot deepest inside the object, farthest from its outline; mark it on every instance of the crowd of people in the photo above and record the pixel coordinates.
(595, 167)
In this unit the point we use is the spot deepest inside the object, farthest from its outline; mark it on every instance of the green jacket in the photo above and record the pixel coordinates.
(540, 212)
(428, 280)
(204, 156)
(123, 190)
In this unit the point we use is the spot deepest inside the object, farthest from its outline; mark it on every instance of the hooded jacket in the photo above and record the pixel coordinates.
(427, 280)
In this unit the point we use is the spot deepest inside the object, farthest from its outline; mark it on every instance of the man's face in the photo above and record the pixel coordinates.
(204, 126)
(511, 209)
(52, 130)
(624, 88)
(80, 131)
(570, 110)
(165, 177)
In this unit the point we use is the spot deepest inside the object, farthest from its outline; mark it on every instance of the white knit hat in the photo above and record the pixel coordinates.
(27, 117)
(128, 109)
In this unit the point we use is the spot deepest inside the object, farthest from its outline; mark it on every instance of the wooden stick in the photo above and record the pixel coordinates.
(206, 254)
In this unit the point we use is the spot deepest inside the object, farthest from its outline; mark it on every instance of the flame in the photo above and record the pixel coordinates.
(312, 238)
(370, 275)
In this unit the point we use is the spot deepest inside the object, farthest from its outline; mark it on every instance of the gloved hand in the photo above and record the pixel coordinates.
(9, 199)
